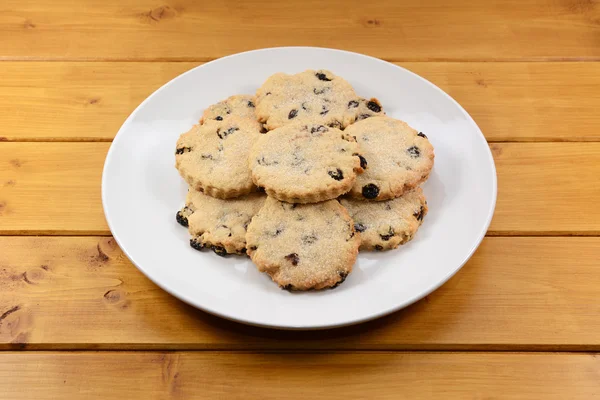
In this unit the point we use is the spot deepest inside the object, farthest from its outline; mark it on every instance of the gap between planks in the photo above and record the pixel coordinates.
(391, 60)
(420, 348)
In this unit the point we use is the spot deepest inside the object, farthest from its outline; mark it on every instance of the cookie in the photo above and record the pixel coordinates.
(302, 163)
(303, 246)
(241, 105)
(219, 224)
(384, 225)
(398, 158)
(213, 157)
(310, 97)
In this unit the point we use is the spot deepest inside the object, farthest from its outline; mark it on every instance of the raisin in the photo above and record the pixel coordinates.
(325, 111)
(373, 106)
(223, 135)
(253, 248)
(414, 151)
(181, 219)
(343, 276)
(196, 244)
(360, 227)
(219, 118)
(182, 150)
(268, 94)
(363, 116)
(289, 287)
(363, 161)
(370, 191)
(320, 128)
(422, 135)
(388, 235)
(335, 124)
(322, 77)
(338, 175)
(263, 161)
(277, 232)
(378, 247)
(420, 214)
(219, 250)
(320, 91)
(292, 114)
(293, 258)
(250, 104)
(353, 104)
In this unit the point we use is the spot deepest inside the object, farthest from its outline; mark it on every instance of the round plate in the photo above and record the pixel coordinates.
(142, 190)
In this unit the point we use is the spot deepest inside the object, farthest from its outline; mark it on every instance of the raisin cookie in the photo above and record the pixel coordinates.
(384, 225)
(398, 158)
(303, 246)
(302, 163)
(213, 157)
(310, 97)
(219, 224)
(241, 105)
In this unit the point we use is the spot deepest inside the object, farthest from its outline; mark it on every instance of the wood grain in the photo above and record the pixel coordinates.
(514, 294)
(544, 188)
(88, 101)
(185, 375)
(189, 30)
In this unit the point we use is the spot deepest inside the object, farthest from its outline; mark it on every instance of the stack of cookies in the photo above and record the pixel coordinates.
(300, 176)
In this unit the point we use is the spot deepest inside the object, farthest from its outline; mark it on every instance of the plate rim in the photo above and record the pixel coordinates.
(380, 314)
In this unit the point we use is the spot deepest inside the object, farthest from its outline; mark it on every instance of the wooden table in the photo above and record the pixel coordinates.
(520, 320)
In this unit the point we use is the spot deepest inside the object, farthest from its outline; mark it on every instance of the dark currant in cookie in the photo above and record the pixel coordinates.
(370, 191)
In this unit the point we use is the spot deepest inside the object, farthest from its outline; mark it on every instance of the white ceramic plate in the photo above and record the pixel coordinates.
(142, 190)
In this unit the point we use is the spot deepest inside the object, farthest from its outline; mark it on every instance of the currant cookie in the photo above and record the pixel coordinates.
(398, 158)
(303, 246)
(302, 163)
(384, 225)
(219, 224)
(310, 97)
(213, 157)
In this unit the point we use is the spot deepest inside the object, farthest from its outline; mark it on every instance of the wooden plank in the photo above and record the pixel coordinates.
(51, 188)
(547, 188)
(185, 375)
(514, 294)
(398, 30)
(544, 188)
(78, 101)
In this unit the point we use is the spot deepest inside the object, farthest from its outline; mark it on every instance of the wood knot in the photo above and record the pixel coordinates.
(8, 312)
(118, 298)
(94, 100)
(2, 207)
(10, 182)
(112, 296)
(3, 139)
(33, 277)
(16, 163)
(160, 13)
(28, 24)
(481, 82)
(496, 150)
(373, 22)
